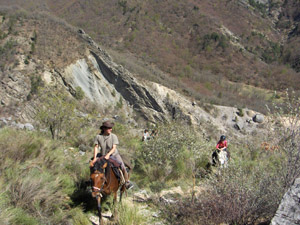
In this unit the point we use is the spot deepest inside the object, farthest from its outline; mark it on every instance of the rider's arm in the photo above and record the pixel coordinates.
(111, 152)
(225, 145)
(95, 153)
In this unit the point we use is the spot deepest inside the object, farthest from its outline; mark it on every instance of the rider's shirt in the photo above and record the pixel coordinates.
(221, 144)
(146, 136)
(106, 142)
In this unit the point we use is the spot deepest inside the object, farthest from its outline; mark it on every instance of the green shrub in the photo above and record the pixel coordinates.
(6, 211)
(286, 136)
(120, 103)
(36, 83)
(260, 6)
(79, 93)
(57, 112)
(173, 154)
(240, 112)
(26, 146)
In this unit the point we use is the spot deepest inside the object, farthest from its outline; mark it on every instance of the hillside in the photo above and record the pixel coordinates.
(58, 84)
(194, 47)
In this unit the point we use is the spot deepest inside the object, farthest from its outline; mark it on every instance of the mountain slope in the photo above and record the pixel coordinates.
(199, 46)
(78, 63)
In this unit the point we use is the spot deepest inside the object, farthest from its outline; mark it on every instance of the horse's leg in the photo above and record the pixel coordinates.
(121, 192)
(114, 213)
(122, 189)
(115, 198)
(99, 209)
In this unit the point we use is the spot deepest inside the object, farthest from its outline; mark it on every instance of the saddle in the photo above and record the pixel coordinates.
(116, 168)
(114, 164)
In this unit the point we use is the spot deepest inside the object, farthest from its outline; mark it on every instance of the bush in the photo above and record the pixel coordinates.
(240, 112)
(240, 194)
(25, 146)
(286, 118)
(79, 218)
(79, 94)
(57, 113)
(176, 152)
(36, 83)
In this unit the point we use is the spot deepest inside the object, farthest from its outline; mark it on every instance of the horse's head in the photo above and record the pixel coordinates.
(98, 176)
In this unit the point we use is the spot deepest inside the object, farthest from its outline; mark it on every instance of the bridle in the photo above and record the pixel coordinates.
(99, 190)
(96, 189)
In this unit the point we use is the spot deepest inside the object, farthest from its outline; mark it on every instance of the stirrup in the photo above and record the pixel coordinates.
(122, 180)
(128, 185)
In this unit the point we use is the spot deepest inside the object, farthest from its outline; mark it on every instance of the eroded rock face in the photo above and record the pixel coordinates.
(105, 82)
(288, 212)
(110, 86)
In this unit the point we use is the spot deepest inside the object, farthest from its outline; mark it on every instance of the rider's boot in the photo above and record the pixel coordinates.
(128, 184)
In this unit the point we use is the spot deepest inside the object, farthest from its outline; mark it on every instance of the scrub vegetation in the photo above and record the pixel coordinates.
(45, 173)
(45, 181)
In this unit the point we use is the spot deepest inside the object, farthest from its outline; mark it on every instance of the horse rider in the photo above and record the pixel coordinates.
(222, 145)
(107, 141)
(146, 135)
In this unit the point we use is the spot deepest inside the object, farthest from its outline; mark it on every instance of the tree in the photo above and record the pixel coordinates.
(56, 110)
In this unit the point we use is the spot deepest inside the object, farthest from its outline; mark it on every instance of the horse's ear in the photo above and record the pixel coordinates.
(104, 165)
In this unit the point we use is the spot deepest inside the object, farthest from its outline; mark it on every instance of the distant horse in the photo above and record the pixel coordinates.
(223, 159)
(220, 158)
(104, 182)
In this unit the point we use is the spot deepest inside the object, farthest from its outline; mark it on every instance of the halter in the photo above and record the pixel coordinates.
(99, 190)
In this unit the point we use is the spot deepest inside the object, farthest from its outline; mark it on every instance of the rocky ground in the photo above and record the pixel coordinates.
(140, 199)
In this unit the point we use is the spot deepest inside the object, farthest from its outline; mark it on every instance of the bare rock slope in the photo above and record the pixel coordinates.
(288, 212)
(152, 100)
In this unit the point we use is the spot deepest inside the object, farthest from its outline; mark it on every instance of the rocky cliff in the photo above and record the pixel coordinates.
(288, 212)
(99, 77)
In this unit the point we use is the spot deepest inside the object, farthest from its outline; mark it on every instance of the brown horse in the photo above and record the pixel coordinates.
(104, 182)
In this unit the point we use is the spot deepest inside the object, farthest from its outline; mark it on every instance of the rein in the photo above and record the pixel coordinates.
(101, 188)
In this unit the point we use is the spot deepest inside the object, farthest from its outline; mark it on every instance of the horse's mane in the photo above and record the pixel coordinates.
(99, 165)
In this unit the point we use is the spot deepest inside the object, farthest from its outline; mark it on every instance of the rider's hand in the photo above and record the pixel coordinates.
(92, 163)
(106, 157)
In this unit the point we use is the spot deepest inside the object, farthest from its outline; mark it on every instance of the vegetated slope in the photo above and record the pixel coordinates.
(29, 46)
(200, 45)
(289, 21)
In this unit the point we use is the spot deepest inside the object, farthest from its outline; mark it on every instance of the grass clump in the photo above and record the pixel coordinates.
(129, 215)
(36, 184)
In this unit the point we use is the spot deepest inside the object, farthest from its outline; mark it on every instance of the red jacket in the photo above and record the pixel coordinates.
(221, 144)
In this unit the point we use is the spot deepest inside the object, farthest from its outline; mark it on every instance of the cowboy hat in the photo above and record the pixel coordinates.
(107, 124)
